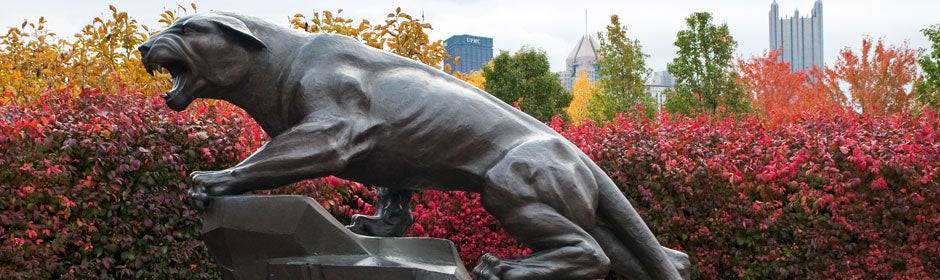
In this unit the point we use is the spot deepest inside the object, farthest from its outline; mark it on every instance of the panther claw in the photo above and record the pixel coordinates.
(197, 200)
(379, 226)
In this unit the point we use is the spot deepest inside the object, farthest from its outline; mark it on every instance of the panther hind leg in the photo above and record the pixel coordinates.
(392, 215)
(524, 192)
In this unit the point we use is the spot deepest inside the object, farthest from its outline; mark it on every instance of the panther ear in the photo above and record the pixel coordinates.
(238, 28)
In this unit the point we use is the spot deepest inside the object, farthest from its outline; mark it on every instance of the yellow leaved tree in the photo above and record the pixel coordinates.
(474, 78)
(105, 54)
(102, 55)
(400, 34)
(582, 92)
(30, 57)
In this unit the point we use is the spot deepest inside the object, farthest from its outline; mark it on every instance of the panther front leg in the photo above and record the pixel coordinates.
(392, 215)
(197, 197)
(316, 147)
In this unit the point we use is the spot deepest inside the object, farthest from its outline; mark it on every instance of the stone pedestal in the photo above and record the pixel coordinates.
(293, 237)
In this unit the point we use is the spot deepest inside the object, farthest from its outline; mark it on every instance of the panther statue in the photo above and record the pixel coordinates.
(334, 106)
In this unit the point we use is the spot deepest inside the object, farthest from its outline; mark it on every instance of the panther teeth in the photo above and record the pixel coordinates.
(154, 67)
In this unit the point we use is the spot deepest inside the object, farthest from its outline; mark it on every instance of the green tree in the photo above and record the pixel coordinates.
(928, 90)
(703, 69)
(525, 77)
(623, 74)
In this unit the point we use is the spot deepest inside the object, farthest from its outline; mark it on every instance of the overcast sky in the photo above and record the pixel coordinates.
(553, 26)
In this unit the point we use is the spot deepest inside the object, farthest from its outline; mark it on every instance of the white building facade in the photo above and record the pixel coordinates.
(659, 83)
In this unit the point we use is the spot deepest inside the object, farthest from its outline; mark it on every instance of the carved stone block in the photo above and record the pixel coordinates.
(293, 237)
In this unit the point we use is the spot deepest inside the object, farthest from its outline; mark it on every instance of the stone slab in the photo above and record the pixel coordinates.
(293, 237)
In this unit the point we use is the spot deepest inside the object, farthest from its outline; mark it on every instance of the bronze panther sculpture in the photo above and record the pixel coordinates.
(334, 106)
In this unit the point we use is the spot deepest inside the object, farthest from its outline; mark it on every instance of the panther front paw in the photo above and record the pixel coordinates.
(381, 226)
(197, 198)
(206, 184)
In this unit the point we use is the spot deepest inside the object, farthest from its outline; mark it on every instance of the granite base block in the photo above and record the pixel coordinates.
(293, 237)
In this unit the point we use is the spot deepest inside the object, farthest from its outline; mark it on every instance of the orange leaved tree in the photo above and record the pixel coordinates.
(779, 92)
(880, 78)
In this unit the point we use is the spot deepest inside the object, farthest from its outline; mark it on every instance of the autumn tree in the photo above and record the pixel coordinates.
(474, 78)
(103, 55)
(29, 59)
(623, 74)
(400, 34)
(703, 69)
(776, 91)
(582, 92)
(928, 90)
(525, 77)
(880, 78)
(112, 44)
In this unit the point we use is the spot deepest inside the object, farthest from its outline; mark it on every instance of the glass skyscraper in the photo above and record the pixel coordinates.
(800, 37)
(473, 51)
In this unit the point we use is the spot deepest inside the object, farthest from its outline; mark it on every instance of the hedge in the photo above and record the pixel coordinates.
(91, 186)
(830, 195)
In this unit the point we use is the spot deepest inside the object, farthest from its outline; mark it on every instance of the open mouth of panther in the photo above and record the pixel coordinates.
(177, 69)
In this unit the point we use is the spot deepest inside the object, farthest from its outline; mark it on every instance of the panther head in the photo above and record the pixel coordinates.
(207, 54)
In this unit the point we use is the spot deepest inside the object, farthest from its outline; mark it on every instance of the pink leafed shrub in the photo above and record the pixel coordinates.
(832, 195)
(91, 186)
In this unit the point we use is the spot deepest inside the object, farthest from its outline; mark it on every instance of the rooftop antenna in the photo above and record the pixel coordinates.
(585, 22)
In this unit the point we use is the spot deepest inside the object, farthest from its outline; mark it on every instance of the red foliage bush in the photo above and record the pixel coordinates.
(459, 217)
(91, 187)
(828, 195)
(92, 184)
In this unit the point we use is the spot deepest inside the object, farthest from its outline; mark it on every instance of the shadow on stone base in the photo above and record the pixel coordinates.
(293, 237)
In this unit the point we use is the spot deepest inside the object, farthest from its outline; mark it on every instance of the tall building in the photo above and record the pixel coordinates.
(582, 57)
(659, 83)
(473, 51)
(800, 37)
